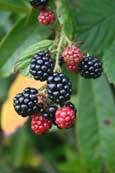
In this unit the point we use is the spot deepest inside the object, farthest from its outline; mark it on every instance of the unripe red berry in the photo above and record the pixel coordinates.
(46, 17)
(65, 117)
(40, 125)
(71, 68)
(72, 55)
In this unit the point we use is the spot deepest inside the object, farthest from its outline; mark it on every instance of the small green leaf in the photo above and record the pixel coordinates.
(30, 51)
(17, 41)
(24, 60)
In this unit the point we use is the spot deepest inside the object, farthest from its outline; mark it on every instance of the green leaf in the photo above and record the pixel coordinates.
(25, 58)
(19, 39)
(96, 124)
(109, 63)
(14, 5)
(30, 51)
(96, 24)
(67, 20)
(5, 17)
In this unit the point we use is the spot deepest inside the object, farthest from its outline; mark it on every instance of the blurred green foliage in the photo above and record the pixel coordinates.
(90, 146)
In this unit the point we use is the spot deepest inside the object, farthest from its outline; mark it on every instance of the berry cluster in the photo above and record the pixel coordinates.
(51, 105)
(45, 16)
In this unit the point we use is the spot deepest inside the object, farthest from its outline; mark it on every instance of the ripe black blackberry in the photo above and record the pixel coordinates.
(42, 66)
(50, 114)
(90, 67)
(26, 103)
(59, 88)
(61, 61)
(39, 3)
(71, 105)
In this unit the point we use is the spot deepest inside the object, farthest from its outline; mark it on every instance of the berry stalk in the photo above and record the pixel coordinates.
(57, 66)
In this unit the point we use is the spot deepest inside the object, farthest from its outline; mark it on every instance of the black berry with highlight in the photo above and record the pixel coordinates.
(41, 66)
(59, 88)
(90, 67)
(26, 103)
(39, 3)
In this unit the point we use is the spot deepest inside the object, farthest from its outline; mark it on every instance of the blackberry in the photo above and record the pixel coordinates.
(41, 66)
(50, 114)
(26, 103)
(61, 61)
(38, 3)
(59, 88)
(71, 105)
(90, 67)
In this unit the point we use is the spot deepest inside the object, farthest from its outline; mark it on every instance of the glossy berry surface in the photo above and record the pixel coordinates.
(46, 17)
(41, 66)
(50, 114)
(71, 105)
(90, 67)
(71, 68)
(38, 3)
(59, 88)
(40, 125)
(26, 103)
(61, 61)
(52, 110)
(65, 117)
(72, 55)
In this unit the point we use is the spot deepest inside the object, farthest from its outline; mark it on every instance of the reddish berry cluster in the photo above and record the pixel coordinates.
(40, 124)
(65, 117)
(72, 57)
(72, 68)
(46, 16)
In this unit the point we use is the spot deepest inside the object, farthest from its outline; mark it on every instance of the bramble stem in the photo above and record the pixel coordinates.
(57, 66)
(43, 87)
(67, 39)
